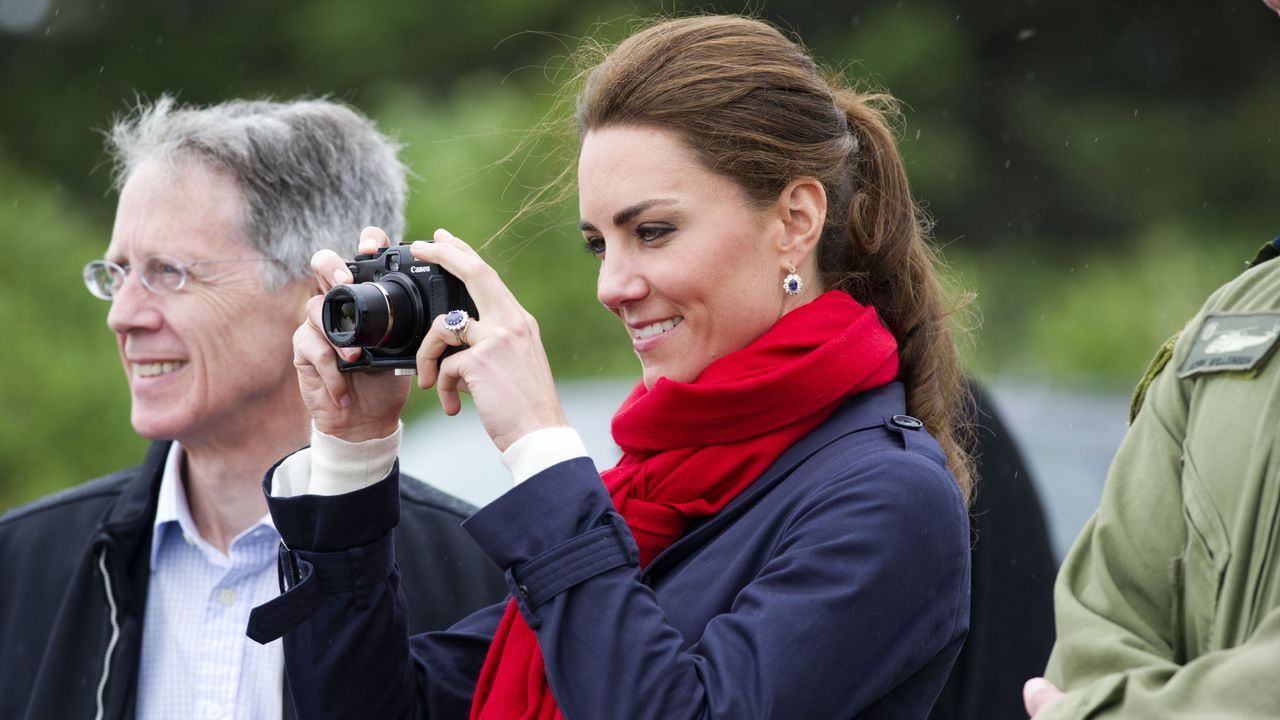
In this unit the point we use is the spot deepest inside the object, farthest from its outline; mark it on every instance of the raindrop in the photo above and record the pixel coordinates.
(1026, 34)
(917, 133)
(1135, 112)
(1006, 164)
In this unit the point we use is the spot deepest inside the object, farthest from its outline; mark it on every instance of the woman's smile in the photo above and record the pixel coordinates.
(650, 331)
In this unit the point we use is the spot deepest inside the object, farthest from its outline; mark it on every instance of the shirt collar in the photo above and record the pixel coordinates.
(172, 507)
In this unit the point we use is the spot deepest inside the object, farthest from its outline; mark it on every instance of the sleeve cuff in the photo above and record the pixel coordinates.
(541, 449)
(332, 466)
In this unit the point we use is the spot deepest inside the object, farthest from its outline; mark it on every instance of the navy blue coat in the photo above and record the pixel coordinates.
(835, 586)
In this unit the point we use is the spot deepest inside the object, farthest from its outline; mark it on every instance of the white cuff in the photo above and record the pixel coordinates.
(332, 466)
(541, 449)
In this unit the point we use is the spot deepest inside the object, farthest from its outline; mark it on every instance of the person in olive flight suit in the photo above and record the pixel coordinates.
(1168, 605)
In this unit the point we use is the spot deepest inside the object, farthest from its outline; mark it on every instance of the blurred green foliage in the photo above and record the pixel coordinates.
(1094, 169)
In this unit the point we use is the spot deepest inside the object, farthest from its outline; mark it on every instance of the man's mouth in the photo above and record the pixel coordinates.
(156, 369)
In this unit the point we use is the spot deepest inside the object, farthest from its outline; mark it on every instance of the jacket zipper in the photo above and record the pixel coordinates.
(115, 635)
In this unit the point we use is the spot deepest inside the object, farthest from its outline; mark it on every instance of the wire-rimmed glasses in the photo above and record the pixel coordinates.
(160, 274)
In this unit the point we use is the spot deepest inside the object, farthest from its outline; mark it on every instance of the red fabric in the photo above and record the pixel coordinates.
(690, 448)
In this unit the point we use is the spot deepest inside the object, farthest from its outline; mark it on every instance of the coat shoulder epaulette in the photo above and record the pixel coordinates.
(1270, 251)
(1153, 369)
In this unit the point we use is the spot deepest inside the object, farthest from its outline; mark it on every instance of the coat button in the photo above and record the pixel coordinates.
(906, 421)
(524, 591)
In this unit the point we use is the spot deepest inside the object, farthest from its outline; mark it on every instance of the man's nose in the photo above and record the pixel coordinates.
(132, 306)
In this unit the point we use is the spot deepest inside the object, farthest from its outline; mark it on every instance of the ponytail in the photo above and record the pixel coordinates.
(874, 248)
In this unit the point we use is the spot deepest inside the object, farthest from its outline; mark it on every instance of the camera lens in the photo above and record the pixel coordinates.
(370, 315)
(345, 316)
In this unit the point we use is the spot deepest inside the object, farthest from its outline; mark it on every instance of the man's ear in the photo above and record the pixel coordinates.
(802, 208)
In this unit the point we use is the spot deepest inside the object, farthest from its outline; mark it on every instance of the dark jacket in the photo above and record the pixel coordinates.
(835, 586)
(66, 631)
(1011, 614)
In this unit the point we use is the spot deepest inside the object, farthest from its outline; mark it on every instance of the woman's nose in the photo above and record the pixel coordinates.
(621, 281)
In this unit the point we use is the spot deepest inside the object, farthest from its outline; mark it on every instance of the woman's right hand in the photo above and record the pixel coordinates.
(355, 406)
(503, 366)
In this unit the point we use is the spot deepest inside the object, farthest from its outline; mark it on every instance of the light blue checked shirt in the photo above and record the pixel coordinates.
(196, 660)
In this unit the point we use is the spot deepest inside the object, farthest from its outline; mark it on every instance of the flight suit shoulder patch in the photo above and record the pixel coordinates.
(1231, 342)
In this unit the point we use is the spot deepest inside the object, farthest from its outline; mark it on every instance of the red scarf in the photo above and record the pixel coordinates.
(690, 448)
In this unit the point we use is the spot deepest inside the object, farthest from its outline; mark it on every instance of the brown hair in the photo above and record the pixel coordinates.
(754, 106)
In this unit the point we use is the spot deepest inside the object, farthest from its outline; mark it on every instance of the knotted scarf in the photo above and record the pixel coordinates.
(690, 448)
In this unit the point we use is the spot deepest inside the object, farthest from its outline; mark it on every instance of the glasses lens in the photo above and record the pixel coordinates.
(163, 274)
(103, 278)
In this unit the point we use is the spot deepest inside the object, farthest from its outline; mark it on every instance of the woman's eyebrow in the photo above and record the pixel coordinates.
(623, 216)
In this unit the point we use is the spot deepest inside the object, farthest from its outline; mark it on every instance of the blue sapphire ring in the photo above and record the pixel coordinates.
(457, 321)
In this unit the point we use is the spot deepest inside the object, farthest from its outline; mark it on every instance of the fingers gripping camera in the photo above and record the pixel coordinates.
(388, 308)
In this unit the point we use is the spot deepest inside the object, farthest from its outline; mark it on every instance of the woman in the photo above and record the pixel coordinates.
(780, 539)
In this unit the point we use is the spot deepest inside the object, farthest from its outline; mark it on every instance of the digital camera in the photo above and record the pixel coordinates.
(389, 307)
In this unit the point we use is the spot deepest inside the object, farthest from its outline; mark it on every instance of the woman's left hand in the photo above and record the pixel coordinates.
(505, 368)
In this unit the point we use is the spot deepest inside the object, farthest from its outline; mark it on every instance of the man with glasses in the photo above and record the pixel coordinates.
(129, 595)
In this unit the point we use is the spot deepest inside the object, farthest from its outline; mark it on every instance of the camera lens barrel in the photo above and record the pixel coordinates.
(374, 315)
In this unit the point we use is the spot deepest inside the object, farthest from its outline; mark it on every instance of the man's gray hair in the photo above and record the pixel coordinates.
(313, 173)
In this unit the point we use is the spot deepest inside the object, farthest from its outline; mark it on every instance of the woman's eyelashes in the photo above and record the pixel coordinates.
(594, 245)
(650, 232)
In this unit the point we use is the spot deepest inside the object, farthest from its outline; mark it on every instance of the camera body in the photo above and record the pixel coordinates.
(389, 307)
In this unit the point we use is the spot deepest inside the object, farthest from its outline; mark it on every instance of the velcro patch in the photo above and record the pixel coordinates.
(1231, 342)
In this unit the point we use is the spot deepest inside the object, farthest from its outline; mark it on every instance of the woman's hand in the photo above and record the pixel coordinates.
(505, 368)
(352, 406)
(1039, 695)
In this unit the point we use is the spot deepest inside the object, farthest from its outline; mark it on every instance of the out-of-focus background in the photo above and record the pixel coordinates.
(1094, 169)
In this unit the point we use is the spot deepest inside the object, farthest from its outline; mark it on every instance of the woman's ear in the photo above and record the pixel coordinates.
(802, 208)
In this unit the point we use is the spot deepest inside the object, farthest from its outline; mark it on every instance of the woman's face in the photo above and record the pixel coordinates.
(690, 266)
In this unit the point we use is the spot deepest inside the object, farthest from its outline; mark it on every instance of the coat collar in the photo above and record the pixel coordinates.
(860, 412)
(135, 509)
(124, 534)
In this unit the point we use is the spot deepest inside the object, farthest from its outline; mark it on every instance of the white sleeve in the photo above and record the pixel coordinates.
(332, 466)
(541, 449)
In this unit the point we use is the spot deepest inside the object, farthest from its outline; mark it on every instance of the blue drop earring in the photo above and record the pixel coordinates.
(792, 284)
